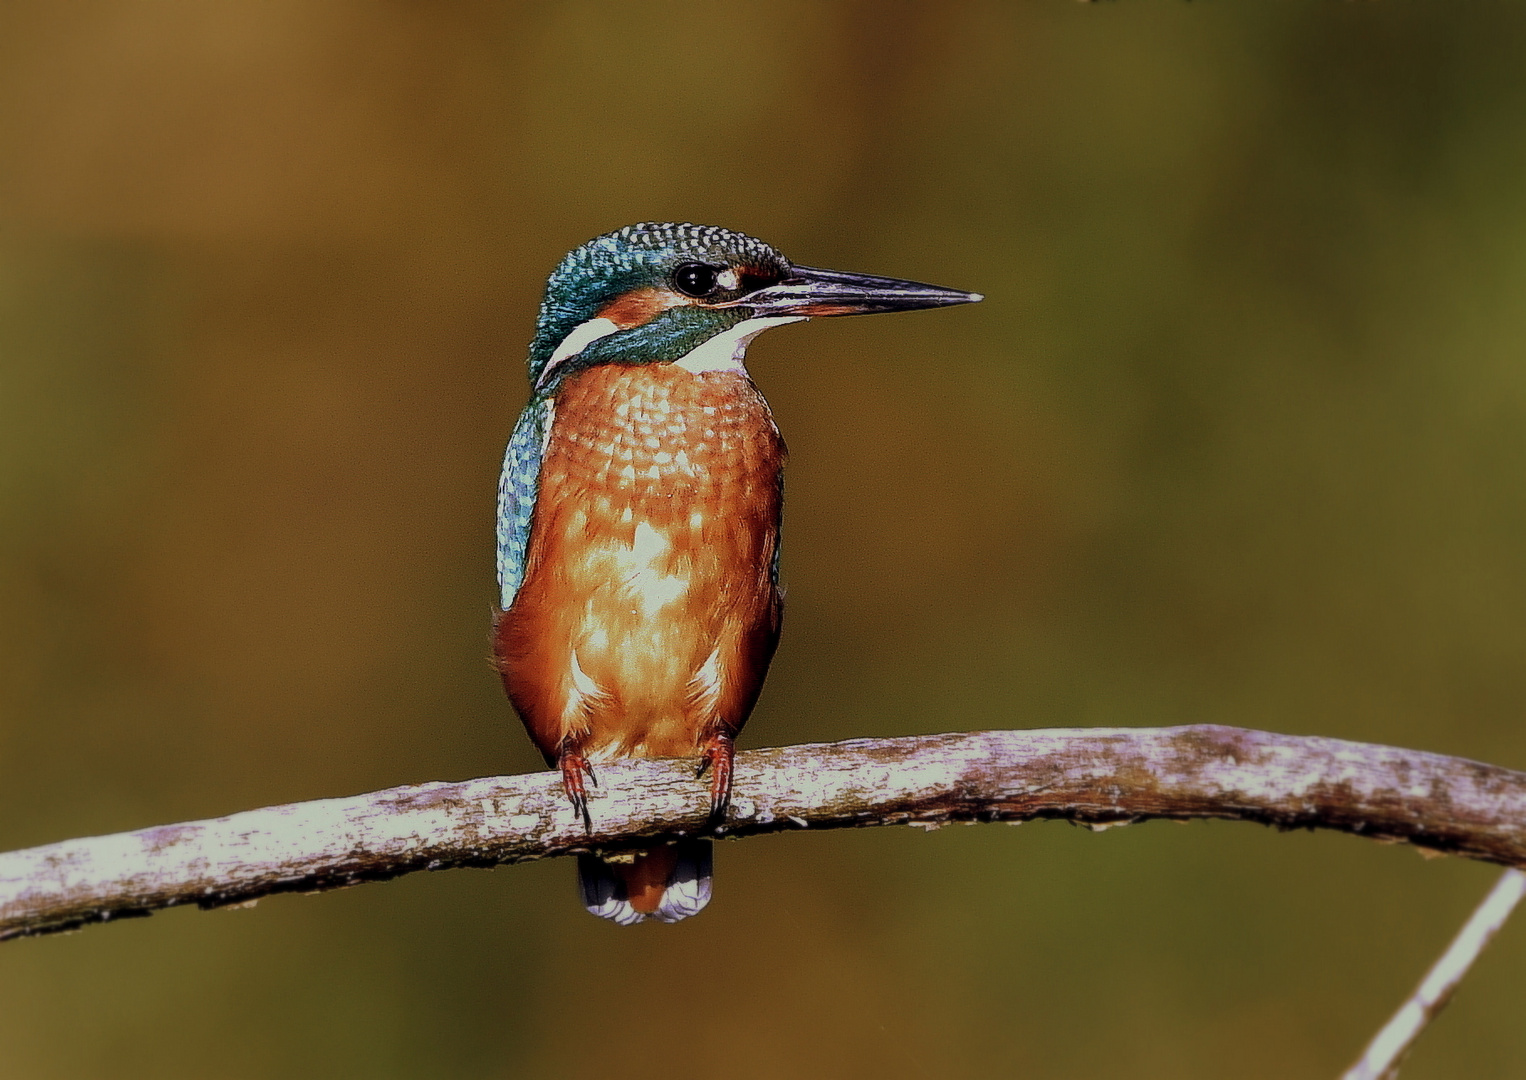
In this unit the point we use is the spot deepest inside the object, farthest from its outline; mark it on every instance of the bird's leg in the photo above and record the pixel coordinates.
(716, 757)
(574, 766)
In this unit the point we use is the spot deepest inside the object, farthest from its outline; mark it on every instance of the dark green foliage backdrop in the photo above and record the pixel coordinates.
(1239, 436)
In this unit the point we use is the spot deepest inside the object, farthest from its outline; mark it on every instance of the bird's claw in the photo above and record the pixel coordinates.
(716, 759)
(574, 767)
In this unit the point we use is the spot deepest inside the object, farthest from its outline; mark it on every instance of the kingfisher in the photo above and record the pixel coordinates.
(638, 520)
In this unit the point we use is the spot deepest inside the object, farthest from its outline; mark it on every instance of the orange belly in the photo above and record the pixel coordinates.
(648, 612)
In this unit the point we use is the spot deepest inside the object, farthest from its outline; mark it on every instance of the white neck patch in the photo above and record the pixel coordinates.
(582, 336)
(724, 351)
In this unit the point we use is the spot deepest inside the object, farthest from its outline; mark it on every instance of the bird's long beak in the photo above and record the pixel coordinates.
(809, 291)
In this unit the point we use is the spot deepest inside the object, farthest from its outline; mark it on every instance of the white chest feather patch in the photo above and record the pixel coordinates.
(646, 585)
(724, 351)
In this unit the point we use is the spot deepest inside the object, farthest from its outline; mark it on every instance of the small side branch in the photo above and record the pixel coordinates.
(1098, 777)
(1388, 1047)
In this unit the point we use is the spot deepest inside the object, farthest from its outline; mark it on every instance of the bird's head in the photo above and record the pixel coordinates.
(662, 292)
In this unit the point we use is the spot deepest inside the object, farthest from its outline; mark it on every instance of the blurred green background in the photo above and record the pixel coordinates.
(1239, 436)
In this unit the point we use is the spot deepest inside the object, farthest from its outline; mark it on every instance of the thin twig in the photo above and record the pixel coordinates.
(1388, 1047)
(1099, 777)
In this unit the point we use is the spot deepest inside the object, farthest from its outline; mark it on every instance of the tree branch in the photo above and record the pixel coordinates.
(1098, 777)
(1380, 1061)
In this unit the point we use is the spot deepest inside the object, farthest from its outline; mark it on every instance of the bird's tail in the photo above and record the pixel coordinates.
(666, 883)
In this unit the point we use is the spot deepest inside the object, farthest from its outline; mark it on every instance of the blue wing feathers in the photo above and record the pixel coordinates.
(517, 487)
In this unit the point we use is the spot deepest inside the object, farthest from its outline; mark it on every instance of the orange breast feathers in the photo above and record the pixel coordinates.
(648, 613)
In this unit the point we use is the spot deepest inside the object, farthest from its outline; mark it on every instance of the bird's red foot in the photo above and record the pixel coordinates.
(716, 758)
(574, 767)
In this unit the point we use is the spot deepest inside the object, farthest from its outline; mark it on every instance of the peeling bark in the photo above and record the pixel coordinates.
(1095, 776)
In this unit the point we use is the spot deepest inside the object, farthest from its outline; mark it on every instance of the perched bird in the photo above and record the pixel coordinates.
(638, 519)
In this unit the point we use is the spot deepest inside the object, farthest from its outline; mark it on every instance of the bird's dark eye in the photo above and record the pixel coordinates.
(695, 279)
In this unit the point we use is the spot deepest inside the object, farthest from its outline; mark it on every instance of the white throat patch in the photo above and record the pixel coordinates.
(724, 351)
